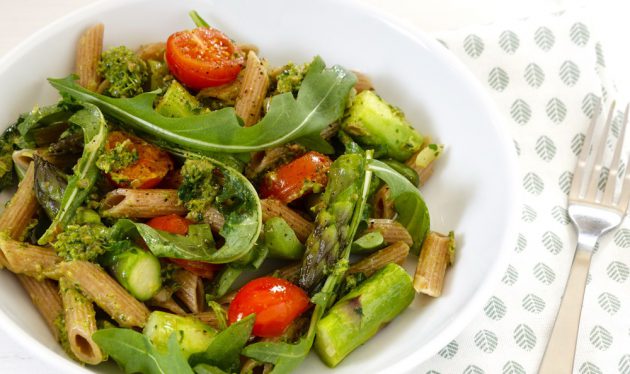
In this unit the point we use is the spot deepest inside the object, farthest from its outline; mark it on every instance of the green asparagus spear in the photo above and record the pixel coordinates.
(192, 335)
(362, 312)
(136, 270)
(330, 235)
(50, 185)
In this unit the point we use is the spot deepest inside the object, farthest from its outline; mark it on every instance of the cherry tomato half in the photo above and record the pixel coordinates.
(297, 178)
(171, 223)
(203, 57)
(179, 225)
(275, 301)
(147, 171)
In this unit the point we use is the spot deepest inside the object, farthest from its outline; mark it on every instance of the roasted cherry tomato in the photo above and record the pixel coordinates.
(203, 57)
(179, 225)
(147, 171)
(275, 301)
(297, 178)
(171, 223)
(200, 268)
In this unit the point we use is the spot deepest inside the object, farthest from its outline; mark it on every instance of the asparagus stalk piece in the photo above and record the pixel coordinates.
(192, 335)
(362, 312)
(136, 270)
(332, 225)
(438, 251)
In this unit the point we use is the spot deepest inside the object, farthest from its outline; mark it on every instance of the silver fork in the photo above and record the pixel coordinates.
(593, 214)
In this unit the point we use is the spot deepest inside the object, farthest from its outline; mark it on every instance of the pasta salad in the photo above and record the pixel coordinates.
(188, 208)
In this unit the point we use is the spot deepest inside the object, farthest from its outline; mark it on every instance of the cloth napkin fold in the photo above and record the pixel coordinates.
(546, 76)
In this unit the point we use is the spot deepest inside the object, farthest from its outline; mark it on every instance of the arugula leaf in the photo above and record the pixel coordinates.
(197, 20)
(135, 353)
(91, 120)
(286, 357)
(412, 210)
(225, 350)
(198, 245)
(320, 101)
(40, 117)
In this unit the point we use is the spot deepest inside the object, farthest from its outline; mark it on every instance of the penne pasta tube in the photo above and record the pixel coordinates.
(110, 296)
(168, 304)
(28, 259)
(152, 51)
(438, 251)
(80, 319)
(208, 317)
(89, 51)
(289, 272)
(363, 82)
(190, 291)
(395, 253)
(383, 204)
(423, 160)
(19, 212)
(250, 100)
(214, 218)
(130, 203)
(274, 208)
(391, 230)
(45, 296)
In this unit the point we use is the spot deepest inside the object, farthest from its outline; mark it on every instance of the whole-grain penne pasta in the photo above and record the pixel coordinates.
(253, 90)
(168, 304)
(436, 254)
(275, 208)
(391, 230)
(80, 320)
(89, 51)
(394, 253)
(214, 218)
(98, 286)
(363, 82)
(152, 51)
(28, 259)
(19, 212)
(45, 296)
(130, 203)
(422, 161)
(208, 317)
(383, 204)
(190, 291)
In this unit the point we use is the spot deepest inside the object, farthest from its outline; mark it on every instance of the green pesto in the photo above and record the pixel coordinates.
(81, 242)
(159, 75)
(60, 325)
(125, 72)
(117, 158)
(7, 141)
(290, 79)
(199, 187)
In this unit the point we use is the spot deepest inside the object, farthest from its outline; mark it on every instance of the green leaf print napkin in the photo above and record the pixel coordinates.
(546, 76)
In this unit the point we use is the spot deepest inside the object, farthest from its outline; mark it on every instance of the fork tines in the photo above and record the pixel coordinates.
(585, 185)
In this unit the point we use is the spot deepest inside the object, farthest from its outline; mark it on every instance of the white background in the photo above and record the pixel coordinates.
(20, 18)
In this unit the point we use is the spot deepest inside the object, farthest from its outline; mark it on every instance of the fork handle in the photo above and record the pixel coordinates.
(560, 351)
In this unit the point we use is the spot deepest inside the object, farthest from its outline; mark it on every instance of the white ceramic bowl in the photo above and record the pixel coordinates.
(473, 190)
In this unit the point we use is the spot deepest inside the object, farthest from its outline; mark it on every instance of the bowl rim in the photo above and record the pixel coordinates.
(406, 28)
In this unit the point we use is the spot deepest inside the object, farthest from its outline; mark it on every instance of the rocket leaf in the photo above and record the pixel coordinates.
(135, 353)
(412, 210)
(91, 120)
(320, 101)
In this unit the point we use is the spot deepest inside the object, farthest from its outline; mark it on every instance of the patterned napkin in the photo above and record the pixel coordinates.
(546, 76)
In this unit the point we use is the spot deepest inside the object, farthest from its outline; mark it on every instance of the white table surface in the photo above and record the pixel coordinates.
(19, 19)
